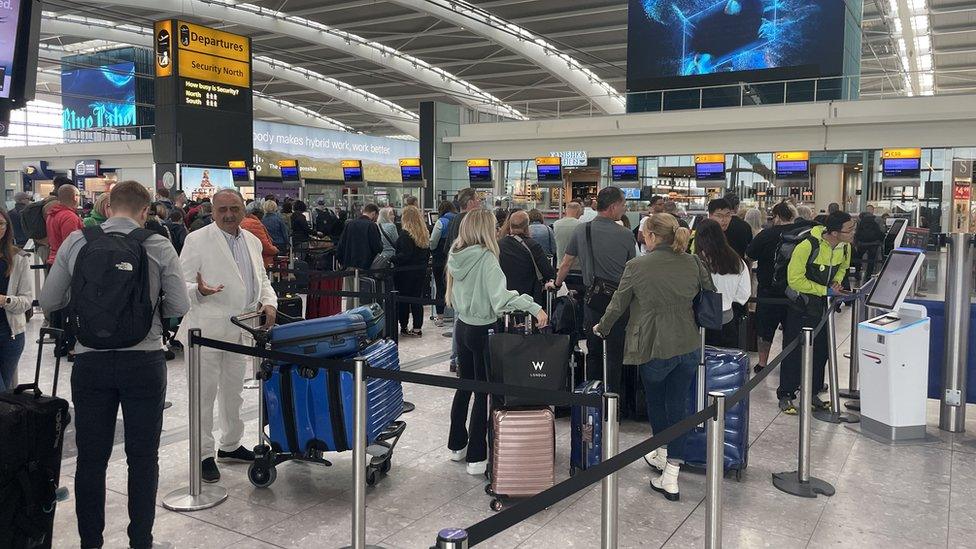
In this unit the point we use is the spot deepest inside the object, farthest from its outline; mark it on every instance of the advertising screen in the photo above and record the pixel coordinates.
(200, 183)
(624, 172)
(792, 169)
(98, 97)
(679, 43)
(631, 193)
(902, 168)
(9, 22)
(320, 152)
(710, 171)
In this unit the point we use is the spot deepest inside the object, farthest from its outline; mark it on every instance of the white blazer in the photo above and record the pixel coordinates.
(206, 252)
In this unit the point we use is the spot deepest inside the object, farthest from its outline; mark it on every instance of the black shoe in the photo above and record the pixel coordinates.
(170, 355)
(241, 454)
(758, 368)
(210, 473)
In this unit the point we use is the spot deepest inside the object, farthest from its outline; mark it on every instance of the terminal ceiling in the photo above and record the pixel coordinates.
(592, 32)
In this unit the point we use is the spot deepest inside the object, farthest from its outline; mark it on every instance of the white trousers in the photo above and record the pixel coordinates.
(221, 383)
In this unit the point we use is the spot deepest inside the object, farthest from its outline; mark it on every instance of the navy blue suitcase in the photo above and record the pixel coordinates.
(586, 430)
(726, 370)
(374, 316)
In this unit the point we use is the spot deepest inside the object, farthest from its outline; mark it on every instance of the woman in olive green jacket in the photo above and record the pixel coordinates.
(662, 336)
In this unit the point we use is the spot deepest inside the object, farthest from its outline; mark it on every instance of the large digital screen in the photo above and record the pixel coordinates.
(710, 171)
(631, 193)
(722, 41)
(624, 172)
(902, 168)
(9, 23)
(98, 97)
(200, 183)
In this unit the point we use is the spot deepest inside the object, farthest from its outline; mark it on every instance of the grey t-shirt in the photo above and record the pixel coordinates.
(613, 247)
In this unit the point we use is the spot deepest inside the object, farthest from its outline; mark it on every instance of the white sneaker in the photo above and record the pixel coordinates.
(459, 455)
(667, 483)
(477, 468)
(657, 459)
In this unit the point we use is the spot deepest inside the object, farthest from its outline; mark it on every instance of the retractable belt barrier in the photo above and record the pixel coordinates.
(554, 398)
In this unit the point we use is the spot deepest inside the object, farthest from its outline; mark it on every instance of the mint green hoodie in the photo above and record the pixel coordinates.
(479, 296)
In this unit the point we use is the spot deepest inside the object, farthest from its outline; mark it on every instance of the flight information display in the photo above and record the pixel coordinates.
(410, 170)
(792, 169)
(902, 168)
(479, 170)
(624, 168)
(352, 171)
(715, 41)
(549, 172)
(710, 171)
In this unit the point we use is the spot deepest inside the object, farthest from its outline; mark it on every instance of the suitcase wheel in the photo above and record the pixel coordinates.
(261, 475)
(738, 475)
(385, 468)
(573, 470)
(488, 489)
(371, 477)
(496, 505)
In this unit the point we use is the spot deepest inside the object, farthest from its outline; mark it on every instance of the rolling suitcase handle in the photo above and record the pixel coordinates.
(700, 392)
(257, 333)
(35, 387)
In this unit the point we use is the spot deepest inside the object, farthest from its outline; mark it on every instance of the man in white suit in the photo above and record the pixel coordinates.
(225, 277)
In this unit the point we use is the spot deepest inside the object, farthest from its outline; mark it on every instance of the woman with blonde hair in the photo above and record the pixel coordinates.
(388, 231)
(412, 251)
(754, 218)
(99, 212)
(476, 290)
(659, 289)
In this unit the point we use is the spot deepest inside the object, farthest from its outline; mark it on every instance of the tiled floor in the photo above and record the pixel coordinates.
(887, 497)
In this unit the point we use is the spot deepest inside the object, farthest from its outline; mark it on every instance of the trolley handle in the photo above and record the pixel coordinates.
(241, 322)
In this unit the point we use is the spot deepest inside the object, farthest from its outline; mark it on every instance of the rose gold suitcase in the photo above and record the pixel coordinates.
(523, 453)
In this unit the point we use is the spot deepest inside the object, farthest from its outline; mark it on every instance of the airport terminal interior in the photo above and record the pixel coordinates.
(337, 145)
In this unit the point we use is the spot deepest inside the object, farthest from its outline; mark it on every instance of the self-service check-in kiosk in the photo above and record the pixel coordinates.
(893, 351)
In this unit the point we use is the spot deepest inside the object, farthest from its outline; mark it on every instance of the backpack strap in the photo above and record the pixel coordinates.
(140, 234)
(92, 233)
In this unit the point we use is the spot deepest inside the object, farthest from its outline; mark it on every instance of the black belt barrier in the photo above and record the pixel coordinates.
(553, 398)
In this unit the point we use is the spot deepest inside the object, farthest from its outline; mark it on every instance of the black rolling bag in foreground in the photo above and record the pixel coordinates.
(32, 429)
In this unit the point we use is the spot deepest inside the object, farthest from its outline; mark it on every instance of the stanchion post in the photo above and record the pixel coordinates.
(799, 482)
(854, 371)
(355, 288)
(608, 512)
(452, 538)
(715, 463)
(834, 415)
(359, 457)
(196, 496)
(700, 391)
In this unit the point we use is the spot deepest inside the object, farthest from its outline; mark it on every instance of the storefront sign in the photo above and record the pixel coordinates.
(572, 159)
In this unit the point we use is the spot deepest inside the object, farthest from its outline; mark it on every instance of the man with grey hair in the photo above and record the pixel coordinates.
(225, 277)
(563, 229)
(21, 200)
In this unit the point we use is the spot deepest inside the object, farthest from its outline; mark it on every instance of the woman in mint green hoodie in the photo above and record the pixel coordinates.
(476, 289)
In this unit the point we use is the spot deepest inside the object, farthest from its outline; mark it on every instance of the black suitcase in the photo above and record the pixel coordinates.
(292, 306)
(32, 429)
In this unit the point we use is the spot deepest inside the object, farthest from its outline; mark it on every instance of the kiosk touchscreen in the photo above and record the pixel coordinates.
(895, 234)
(893, 354)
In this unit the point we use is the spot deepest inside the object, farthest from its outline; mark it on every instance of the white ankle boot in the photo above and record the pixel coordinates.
(667, 483)
(459, 455)
(658, 459)
(477, 468)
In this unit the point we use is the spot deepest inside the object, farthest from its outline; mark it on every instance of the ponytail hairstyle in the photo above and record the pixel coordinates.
(667, 230)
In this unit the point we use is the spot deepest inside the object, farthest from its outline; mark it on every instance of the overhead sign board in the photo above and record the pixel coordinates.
(200, 39)
(410, 170)
(709, 158)
(623, 160)
(549, 169)
(624, 168)
(289, 170)
(164, 48)
(210, 68)
(901, 153)
(572, 159)
(792, 156)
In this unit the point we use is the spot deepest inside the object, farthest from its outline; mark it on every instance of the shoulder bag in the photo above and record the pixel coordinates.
(598, 294)
(707, 304)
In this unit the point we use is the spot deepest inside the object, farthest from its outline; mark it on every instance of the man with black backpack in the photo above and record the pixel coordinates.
(118, 282)
(816, 270)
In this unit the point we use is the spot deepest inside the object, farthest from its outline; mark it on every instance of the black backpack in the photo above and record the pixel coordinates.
(325, 222)
(788, 242)
(110, 303)
(32, 219)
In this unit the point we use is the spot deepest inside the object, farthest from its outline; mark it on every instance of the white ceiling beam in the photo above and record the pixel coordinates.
(263, 19)
(527, 44)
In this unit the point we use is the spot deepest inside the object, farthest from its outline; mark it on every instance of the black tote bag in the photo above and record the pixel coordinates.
(707, 304)
(537, 361)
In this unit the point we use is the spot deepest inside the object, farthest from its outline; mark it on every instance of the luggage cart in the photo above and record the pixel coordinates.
(268, 454)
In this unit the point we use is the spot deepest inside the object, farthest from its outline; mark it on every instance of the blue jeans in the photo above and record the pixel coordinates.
(10, 350)
(667, 387)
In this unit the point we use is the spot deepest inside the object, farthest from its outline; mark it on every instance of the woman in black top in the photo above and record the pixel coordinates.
(301, 231)
(412, 250)
(524, 262)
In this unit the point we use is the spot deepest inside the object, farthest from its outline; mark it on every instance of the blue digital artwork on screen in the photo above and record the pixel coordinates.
(682, 38)
(98, 97)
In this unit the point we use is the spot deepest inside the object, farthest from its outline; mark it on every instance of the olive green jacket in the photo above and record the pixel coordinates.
(659, 289)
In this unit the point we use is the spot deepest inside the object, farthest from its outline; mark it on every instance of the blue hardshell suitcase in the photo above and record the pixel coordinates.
(317, 413)
(586, 430)
(374, 317)
(329, 337)
(726, 370)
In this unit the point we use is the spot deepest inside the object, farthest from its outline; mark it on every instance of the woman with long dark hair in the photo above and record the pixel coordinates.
(18, 298)
(730, 275)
